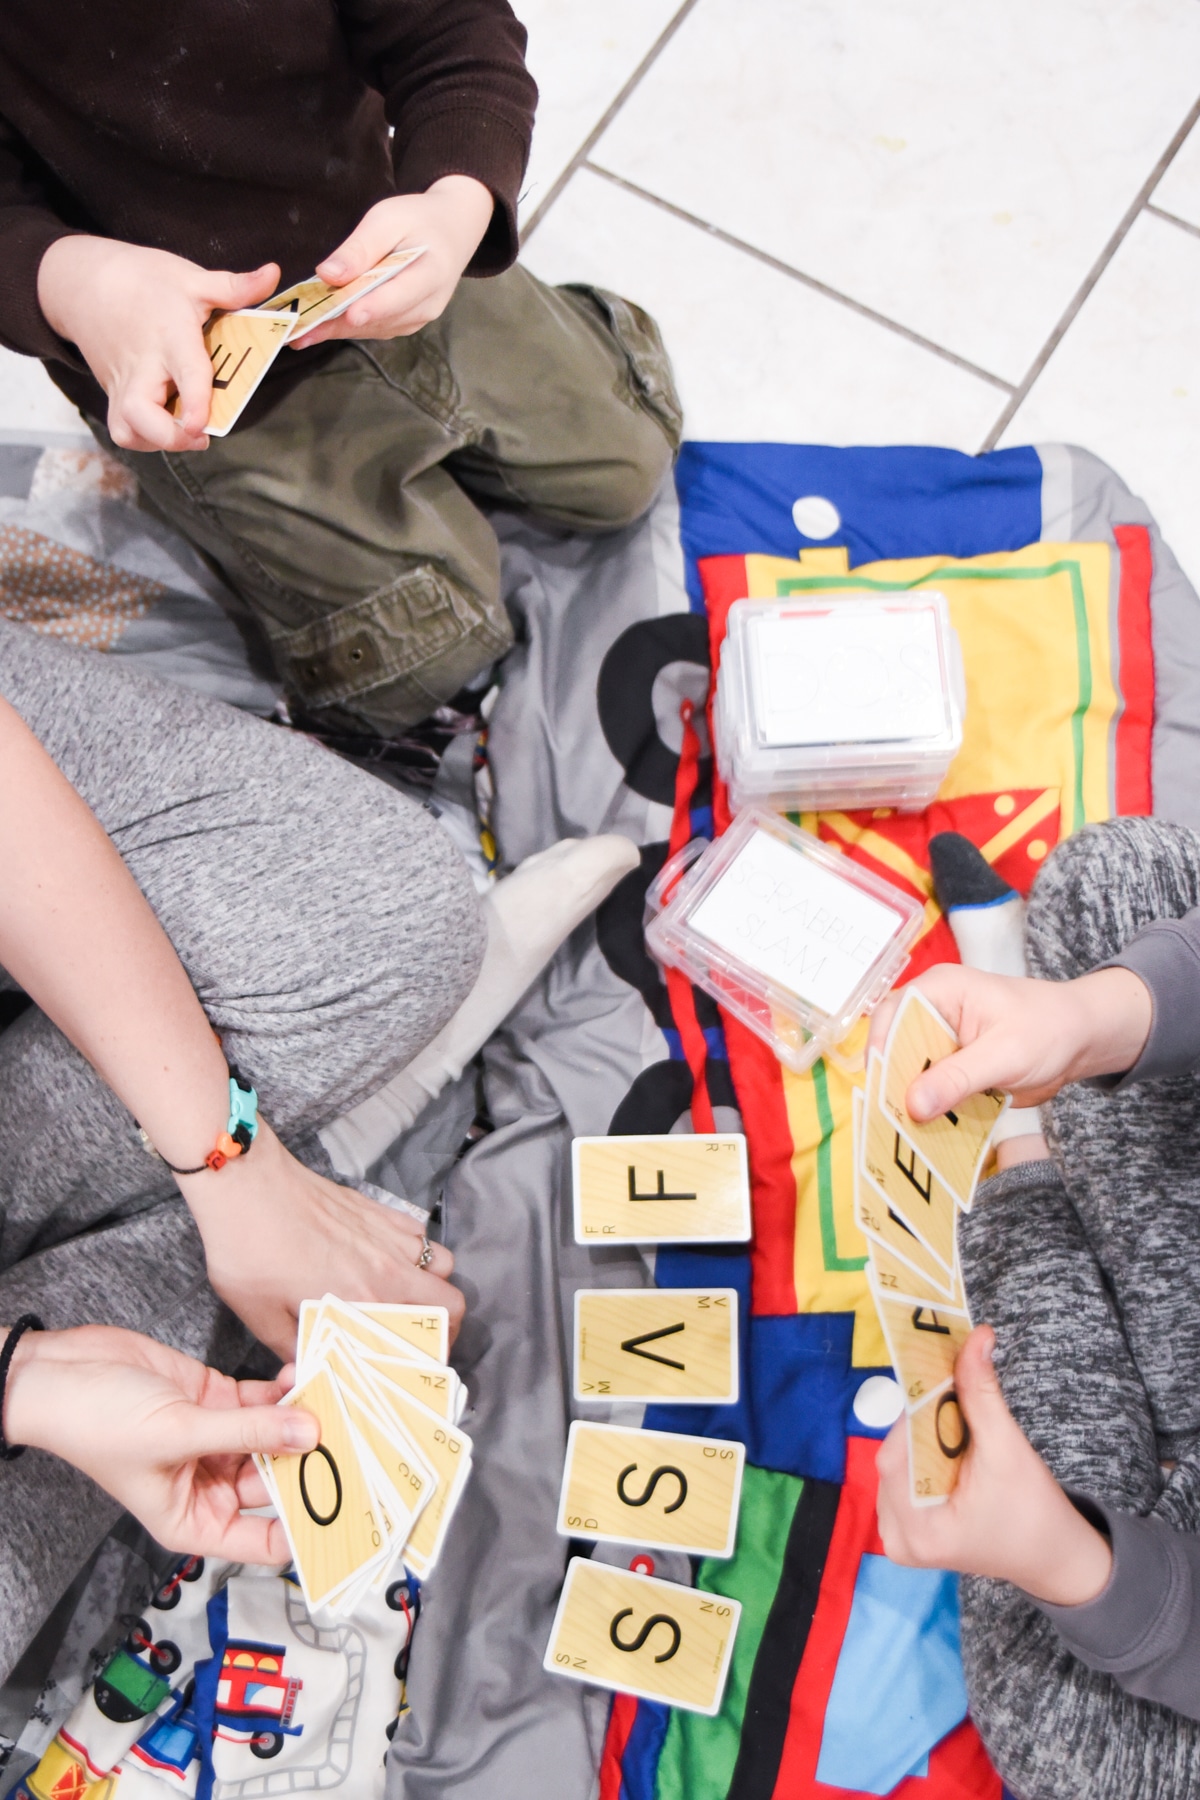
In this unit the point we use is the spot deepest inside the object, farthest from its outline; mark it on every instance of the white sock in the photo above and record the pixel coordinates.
(529, 914)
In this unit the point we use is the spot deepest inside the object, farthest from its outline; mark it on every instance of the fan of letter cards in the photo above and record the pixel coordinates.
(243, 345)
(656, 1490)
(391, 1465)
(909, 1182)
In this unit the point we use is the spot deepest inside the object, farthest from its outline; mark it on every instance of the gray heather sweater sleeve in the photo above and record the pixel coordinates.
(1166, 955)
(1143, 1628)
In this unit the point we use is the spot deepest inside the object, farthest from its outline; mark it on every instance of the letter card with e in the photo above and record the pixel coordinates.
(879, 1224)
(954, 1145)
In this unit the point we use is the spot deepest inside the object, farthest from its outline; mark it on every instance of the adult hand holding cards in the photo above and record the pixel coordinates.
(911, 1180)
(391, 1465)
(242, 345)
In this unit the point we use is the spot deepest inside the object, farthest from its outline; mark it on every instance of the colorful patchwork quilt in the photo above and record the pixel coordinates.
(1081, 644)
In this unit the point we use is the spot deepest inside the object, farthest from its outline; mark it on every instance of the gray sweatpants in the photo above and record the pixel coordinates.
(1086, 1266)
(329, 928)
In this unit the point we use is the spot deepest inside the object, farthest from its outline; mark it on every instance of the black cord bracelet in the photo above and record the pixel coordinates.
(26, 1322)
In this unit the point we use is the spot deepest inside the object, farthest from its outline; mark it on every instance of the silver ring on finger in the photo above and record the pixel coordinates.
(426, 1256)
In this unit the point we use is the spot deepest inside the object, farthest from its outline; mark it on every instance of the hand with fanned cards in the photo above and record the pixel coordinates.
(1028, 1037)
(166, 1436)
(447, 221)
(180, 350)
(137, 318)
(1006, 1517)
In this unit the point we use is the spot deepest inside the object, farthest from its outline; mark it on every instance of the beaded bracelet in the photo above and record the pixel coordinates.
(26, 1322)
(238, 1135)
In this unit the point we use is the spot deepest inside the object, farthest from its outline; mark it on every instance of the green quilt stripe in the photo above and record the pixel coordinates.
(800, 583)
(698, 1754)
(846, 1265)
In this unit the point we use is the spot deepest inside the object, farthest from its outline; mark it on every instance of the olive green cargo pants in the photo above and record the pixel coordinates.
(342, 508)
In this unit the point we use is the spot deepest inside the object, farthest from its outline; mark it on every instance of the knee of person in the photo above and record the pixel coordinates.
(1102, 885)
(384, 949)
(623, 489)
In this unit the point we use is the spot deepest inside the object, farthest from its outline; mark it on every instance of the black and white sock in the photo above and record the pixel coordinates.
(987, 918)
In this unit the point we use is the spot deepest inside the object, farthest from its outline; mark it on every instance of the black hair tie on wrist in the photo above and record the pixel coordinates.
(26, 1322)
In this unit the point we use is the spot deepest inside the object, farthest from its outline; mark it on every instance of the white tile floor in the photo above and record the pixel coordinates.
(880, 221)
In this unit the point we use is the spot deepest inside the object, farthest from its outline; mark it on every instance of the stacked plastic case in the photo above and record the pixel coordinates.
(794, 939)
(847, 701)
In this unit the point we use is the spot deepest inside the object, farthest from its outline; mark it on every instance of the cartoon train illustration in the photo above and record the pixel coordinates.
(255, 1697)
(135, 1680)
(172, 1744)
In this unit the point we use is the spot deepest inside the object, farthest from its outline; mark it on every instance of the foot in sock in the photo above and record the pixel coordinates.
(529, 914)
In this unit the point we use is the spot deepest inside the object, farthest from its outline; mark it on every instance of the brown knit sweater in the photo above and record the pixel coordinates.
(238, 132)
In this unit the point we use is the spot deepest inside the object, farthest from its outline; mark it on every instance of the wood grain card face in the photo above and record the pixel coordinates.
(924, 1342)
(657, 1488)
(435, 1388)
(241, 347)
(955, 1144)
(447, 1452)
(339, 1317)
(392, 1446)
(642, 1636)
(306, 1328)
(310, 303)
(897, 1281)
(912, 1191)
(648, 1190)
(937, 1440)
(875, 1219)
(425, 1328)
(657, 1344)
(325, 1502)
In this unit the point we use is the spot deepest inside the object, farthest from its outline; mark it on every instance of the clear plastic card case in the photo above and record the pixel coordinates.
(793, 938)
(853, 700)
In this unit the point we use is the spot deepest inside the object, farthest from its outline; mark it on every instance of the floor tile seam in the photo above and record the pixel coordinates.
(1139, 204)
(606, 118)
(811, 282)
(1170, 218)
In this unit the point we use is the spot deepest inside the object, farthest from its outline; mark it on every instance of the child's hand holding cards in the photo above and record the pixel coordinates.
(242, 345)
(954, 1145)
(911, 1181)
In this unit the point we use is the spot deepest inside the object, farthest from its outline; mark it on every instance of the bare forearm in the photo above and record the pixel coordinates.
(79, 936)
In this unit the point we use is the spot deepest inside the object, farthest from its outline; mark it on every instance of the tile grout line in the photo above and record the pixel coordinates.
(606, 118)
(1138, 205)
(1160, 212)
(794, 274)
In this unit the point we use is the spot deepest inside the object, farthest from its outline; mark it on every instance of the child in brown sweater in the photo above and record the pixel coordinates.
(158, 162)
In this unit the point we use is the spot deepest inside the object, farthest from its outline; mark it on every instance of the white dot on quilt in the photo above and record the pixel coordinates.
(815, 517)
(878, 1402)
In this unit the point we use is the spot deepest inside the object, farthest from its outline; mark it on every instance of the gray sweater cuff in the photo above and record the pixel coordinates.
(1142, 1628)
(1166, 956)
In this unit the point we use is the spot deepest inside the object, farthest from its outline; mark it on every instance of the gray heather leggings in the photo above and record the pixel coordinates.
(1086, 1266)
(329, 928)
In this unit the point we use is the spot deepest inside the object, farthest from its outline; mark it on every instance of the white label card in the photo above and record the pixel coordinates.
(798, 924)
(843, 677)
